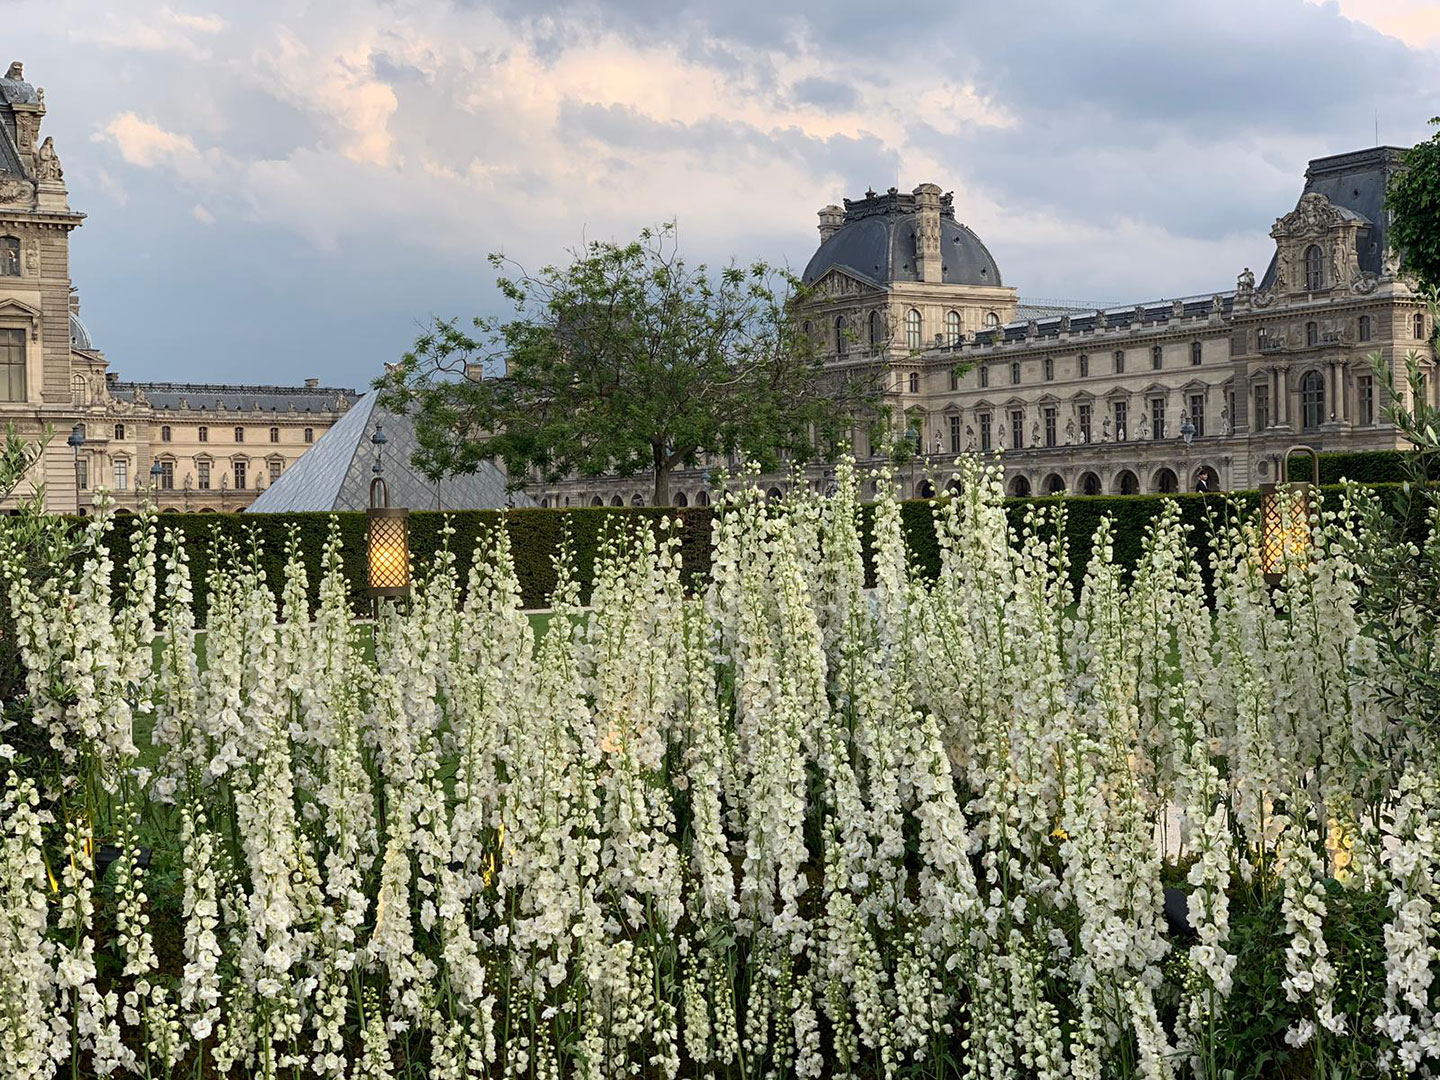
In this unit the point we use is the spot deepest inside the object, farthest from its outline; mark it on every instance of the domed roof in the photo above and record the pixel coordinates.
(79, 335)
(877, 241)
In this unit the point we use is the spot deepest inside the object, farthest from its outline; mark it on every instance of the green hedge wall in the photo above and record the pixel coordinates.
(536, 535)
(1363, 467)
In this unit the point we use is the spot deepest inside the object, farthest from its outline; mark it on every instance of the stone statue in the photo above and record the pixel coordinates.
(969, 439)
(1282, 268)
(1225, 420)
(1035, 433)
(1032, 329)
(1139, 316)
(47, 164)
(1105, 430)
(1070, 431)
(1389, 263)
(1177, 309)
(1102, 321)
(1339, 268)
(1144, 427)
(16, 72)
(1065, 323)
(1002, 434)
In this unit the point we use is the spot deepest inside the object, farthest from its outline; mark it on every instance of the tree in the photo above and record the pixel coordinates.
(1414, 201)
(628, 360)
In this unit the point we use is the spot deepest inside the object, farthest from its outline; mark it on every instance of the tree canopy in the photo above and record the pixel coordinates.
(1414, 202)
(628, 360)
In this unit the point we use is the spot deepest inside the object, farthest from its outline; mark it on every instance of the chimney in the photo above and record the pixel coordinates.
(311, 384)
(831, 218)
(927, 233)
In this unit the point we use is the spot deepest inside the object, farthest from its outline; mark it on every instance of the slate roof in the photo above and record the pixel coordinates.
(877, 242)
(335, 473)
(215, 397)
(1154, 312)
(1355, 182)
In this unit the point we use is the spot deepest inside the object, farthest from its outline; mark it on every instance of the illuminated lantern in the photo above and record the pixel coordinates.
(1285, 518)
(387, 536)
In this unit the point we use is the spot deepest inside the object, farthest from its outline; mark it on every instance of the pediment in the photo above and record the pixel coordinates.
(839, 284)
(1315, 215)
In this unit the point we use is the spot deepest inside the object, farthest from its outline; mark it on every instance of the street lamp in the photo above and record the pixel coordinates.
(75, 442)
(387, 534)
(1285, 517)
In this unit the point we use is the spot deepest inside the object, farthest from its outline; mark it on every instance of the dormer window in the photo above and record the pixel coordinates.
(1314, 272)
(9, 256)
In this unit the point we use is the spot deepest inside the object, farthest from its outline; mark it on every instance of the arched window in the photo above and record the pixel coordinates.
(926, 490)
(1084, 366)
(9, 256)
(992, 321)
(309, 434)
(774, 494)
(1420, 325)
(1312, 333)
(912, 329)
(203, 433)
(1197, 354)
(914, 382)
(702, 498)
(164, 432)
(875, 336)
(1364, 327)
(1128, 483)
(274, 434)
(1014, 371)
(840, 335)
(952, 328)
(617, 500)
(1020, 487)
(1166, 482)
(239, 434)
(1206, 479)
(79, 390)
(1312, 400)
(596, 500)
(1054, 484)
(1314, 272)
(1090, 484)
(119, 432)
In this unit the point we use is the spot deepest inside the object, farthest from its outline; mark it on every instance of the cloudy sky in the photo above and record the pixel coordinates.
(280, 188)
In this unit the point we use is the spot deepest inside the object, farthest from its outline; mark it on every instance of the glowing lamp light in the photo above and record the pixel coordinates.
(1285, 518)
(387, 536)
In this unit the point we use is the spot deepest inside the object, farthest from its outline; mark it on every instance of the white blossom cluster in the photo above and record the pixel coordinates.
(843, 813)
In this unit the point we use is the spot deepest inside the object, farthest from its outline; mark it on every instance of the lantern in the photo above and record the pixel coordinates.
(387, 535)
(1285, 518)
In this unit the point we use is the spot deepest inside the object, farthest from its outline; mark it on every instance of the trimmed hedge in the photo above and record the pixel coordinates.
(1363, 467)
(536, 534)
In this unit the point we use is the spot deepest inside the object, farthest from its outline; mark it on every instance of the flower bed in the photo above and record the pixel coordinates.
(826, 819)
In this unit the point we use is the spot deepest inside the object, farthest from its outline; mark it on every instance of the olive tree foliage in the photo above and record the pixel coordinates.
(628, 360)
(1413, 200)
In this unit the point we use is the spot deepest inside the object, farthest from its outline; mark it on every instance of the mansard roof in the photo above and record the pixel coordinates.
(213, 397)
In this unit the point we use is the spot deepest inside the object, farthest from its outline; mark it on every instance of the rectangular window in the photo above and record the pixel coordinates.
(1051, 414)
(274, 471)
(985, 442)
(1015, 372)
(1017, 429)
(239, 475)
(1049, 369)
(1365, 400)
(82, 473)
(1082, 411)
(12, 365)
(202, 475)
(1157, 417)
(1196, 353)
(122, 474)
(1197, 413)
(1157, 358)
(1084, 366)
(239, 434)
(955, 434)
(1262, 407)
(1119, 361)
(1364, 327)
(167, 476)
(954, 379)
(1122, 419)
(204, 434)
(984, 374)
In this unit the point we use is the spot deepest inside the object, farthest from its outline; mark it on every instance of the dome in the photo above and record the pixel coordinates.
(79, 335)
(877, 240)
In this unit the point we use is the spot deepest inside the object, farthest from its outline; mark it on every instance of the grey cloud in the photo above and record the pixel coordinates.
(826, 93)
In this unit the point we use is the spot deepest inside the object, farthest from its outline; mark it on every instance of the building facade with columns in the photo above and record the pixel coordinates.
(185, 446)
(1159, 396)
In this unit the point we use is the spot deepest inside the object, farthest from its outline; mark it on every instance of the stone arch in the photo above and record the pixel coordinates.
(925, 490)
(637, 499)
(702, 498)
(1165, 482)
(617, 500)
(1126, 483)
(1205, 478)
(774, 494)
(681, 499)
(1020, 487)
(1090, 484)
(1054, 484)
(596, 500)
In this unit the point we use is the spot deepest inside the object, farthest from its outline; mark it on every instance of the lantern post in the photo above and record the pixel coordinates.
(1285, 536)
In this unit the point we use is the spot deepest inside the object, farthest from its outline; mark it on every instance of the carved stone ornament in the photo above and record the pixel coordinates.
(1364, 283)
(13, 189)
(1389, 263)
(47, 163)
(32, 256)
(1313, 215)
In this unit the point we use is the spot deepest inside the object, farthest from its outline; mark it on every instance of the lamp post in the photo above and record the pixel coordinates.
(1285, 537)
(156, 475)
(75, 442)
(387, 534)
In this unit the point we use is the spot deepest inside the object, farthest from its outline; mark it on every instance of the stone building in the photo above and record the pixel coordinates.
(188, 446)
(1101, 400)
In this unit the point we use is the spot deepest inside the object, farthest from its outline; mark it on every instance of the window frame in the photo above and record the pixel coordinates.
(14, 371)
(1314, 268)
(914, 330)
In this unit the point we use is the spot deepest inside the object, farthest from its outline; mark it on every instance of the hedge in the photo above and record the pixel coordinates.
(536, 534)
(1363, 467)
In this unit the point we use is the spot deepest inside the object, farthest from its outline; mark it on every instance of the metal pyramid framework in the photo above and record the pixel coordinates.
(335, 473)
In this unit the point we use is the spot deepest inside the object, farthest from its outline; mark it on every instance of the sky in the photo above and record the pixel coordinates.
(283, 189)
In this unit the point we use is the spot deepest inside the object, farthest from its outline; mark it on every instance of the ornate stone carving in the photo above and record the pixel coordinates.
(1070, 431)
(1105, 429)
(13, 189)
(1177, 309)
(1065, 323)
(1244, 286)
(47, 162)
(1389, 263)
(1035, 433)
(1102, 321)
(32, 257)
(1224, 420)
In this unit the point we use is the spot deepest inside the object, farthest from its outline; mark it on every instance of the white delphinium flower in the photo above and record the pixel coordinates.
(1412, 936)
(1309, 974)
(34, 1032)
(705, 762)
(949, 901)
(809, 1060)
(374, 1062)
(177, 730)
(200, 980)
(1150, 1042)
(1038, 1033)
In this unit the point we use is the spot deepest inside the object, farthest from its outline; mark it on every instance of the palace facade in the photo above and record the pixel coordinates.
(1160, 396)
(186, 446)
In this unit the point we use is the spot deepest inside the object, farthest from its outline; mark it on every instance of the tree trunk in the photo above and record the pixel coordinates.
(661, 495)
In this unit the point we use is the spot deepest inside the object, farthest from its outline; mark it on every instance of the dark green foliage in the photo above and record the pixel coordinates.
(1363, 467)
(1414, 203)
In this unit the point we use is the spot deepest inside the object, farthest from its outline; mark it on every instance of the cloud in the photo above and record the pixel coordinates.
(203, 216)
(146, 144)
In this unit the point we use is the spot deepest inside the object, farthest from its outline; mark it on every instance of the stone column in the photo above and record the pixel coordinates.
(1275, 402)
(1343, 378)
(1330, 389)
(1284, 376)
